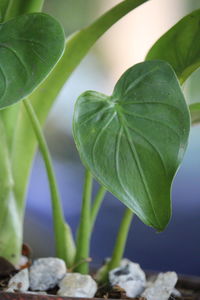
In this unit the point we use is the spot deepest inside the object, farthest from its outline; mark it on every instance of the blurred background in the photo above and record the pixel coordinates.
(125, 44)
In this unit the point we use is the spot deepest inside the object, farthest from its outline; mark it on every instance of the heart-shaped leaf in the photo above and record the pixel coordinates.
(134, 140)
(30, 46)
(180, 46)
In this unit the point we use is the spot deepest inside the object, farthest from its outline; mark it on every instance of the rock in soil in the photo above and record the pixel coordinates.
(77, 285)
(45, 273)
(130, 277)
(19, 282)
(162, 287)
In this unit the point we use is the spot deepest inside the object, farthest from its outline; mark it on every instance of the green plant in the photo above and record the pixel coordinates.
(128, 141)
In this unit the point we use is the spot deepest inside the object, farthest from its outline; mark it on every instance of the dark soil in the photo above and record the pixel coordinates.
(189, 288)
(115, 292)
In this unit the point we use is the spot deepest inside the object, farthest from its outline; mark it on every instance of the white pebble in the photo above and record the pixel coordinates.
(130, 277)
(162, 287)
(77, 285)
(19, 282)
(176, 293)
(45, 273)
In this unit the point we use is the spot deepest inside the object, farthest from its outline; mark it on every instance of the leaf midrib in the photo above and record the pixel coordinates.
(137, 161)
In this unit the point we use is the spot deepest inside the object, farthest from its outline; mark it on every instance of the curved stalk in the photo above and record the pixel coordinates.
(84, 232)
(63, 236)
(96, 205)
(119, 245)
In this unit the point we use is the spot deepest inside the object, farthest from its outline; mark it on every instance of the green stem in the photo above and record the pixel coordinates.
(121, 239)
(83, 236)
(33, 6)
(96, 205)
(63, 237)
(20, 7)
(119, 244)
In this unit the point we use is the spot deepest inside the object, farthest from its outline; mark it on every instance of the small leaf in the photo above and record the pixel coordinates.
(134, 140)
(180, 46)
(30, 46)
(195, 112)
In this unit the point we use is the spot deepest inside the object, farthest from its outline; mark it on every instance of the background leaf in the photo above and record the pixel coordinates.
(30, 46)
(10, 215)
(180, 46)
(195, 112)
(134, 140)
(21, 7)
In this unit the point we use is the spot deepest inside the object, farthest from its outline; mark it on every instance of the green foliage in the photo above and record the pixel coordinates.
(4, 5)
(30, 46)
(180, 46)
(21, 138)
(195, 112)
(76, 49)
(134, 140)
(20, 7)
(10, 216)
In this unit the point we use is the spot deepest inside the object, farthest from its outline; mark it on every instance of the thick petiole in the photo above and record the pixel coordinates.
(63, 238)
(84, 232)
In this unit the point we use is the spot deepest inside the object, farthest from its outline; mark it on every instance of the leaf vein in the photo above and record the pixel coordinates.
(136, 158)
(151, 144)
(99, 135)
(117, 163)
(152, 120)
(16, 55)
(91, 116)
(5, 82)
(151, 102)
(138, 80)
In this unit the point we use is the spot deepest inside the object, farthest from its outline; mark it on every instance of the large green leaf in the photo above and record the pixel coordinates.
(134, 140)
(30, 46)
(20, 136)
(180, 46)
